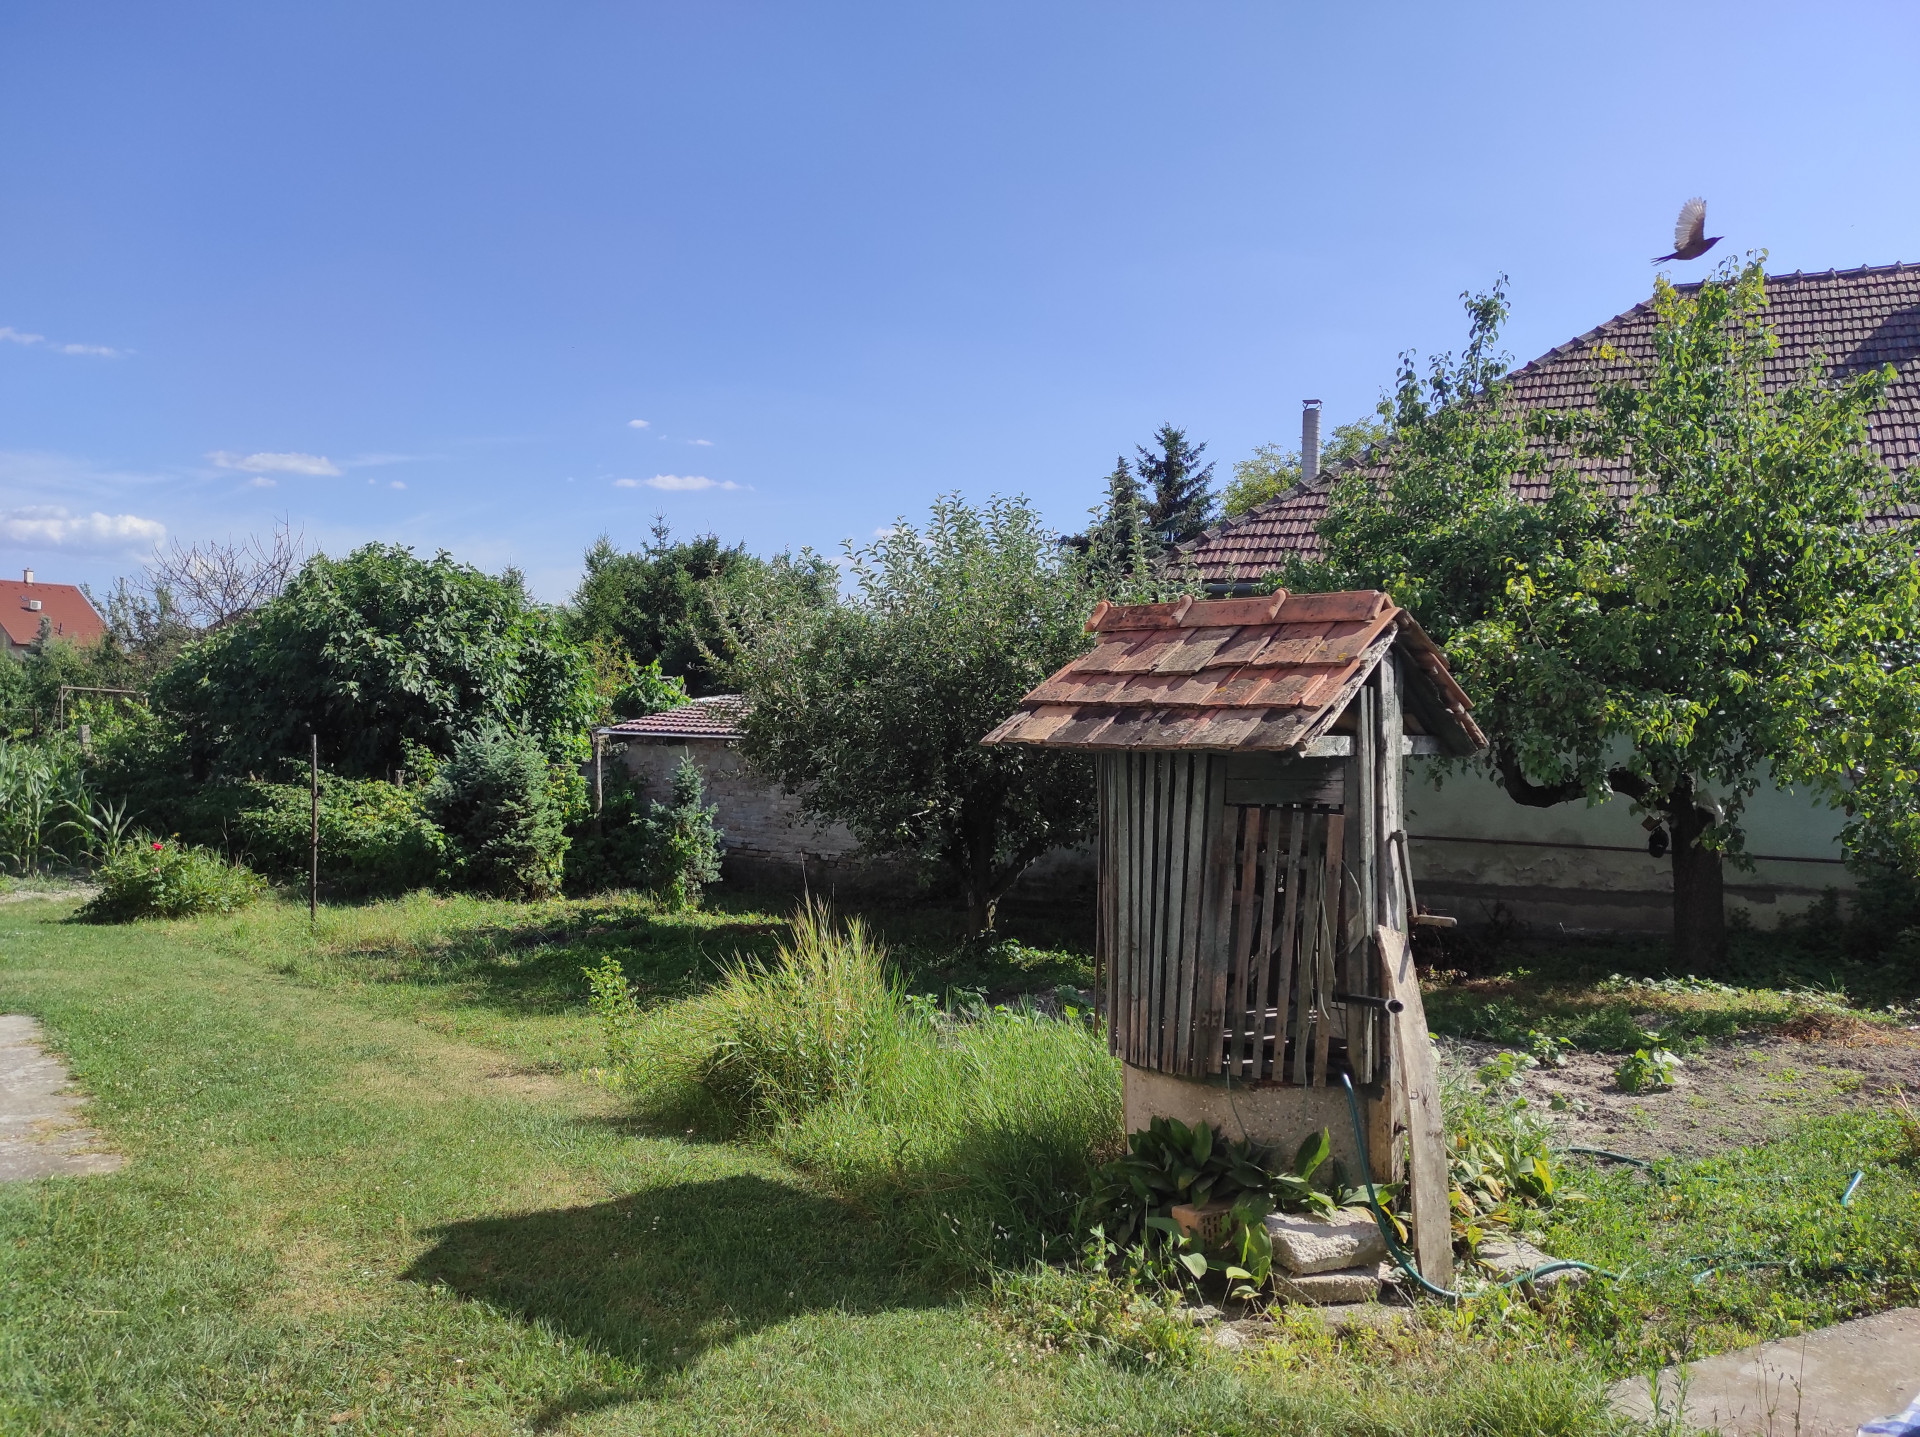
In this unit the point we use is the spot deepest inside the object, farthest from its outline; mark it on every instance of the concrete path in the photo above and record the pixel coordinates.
(40, 1132)
(1824, 1384)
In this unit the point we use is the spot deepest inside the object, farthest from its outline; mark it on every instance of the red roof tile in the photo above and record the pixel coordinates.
(1855, 319)
(65, 606)
(1265, 674)
(713, 717)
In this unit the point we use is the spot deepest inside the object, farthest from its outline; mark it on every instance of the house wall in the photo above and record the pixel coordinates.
(1586, 869)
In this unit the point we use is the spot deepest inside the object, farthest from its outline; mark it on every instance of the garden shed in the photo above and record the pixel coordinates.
(1255, 887)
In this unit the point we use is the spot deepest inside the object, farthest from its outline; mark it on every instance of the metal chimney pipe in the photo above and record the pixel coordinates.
(1310, 439)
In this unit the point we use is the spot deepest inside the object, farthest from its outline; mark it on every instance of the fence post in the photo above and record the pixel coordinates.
(313, 854)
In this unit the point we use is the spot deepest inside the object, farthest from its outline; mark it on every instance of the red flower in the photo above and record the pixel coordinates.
(156, 843)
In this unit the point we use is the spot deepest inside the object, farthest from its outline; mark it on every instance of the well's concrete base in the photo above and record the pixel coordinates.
(1276, 1118)
(1824, 1384)
(40, 1132)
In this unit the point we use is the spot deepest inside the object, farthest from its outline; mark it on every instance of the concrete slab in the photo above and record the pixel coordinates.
(40, 1131)
(1823, 1384)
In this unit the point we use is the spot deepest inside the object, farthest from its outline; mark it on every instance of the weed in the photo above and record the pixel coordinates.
(157, 879)
(1646, 1070)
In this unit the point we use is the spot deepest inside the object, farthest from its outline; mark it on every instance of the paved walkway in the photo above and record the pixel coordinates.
(40, 1132)
(1824, 1384)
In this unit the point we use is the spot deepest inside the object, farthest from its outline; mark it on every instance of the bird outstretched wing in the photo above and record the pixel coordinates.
(1691, 227)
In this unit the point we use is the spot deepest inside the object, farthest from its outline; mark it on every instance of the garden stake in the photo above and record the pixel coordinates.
(313, 854)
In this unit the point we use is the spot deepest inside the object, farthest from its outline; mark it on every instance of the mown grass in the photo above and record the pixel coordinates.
(372, 1188)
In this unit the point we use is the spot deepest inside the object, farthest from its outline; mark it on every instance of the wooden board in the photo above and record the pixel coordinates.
(1414, 1070)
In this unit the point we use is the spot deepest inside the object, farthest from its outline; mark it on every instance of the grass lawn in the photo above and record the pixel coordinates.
(374, 1186)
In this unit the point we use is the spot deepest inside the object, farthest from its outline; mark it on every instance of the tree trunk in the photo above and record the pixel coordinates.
(1699, 897)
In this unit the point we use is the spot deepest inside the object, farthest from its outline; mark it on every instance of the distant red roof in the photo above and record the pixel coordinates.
(24, 605)
(1268, 674)
(714, 717)
(1858, 319)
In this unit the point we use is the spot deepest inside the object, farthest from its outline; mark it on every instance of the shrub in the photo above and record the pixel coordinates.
(375, 837)
(672, 850)
(496, 802)
(150, 879)
(976, 1136)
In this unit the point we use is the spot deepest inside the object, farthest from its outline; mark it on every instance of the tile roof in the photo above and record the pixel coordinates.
(1856, 319)
(717, 716)
(1268, 674)
(73, 618)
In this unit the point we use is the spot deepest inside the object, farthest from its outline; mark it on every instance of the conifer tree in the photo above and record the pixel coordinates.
(1182, 503)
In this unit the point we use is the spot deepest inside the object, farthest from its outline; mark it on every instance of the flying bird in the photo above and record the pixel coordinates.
(1690, 239)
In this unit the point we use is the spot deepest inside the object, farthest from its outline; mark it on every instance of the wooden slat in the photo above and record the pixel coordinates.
(1136, 771)
(1426, 1138)
(1313, 874)
(1246, 920)
(1193, 886)
(1103, 868)
(1289, 941)
(1330, 909)
(1272, 861)
(1168, 890)
(1216, 922)
(1356, 974)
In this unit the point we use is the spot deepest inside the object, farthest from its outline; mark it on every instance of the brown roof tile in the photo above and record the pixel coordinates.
(1853, 320)
(717, 716)
(24, 605)
(1264, 674)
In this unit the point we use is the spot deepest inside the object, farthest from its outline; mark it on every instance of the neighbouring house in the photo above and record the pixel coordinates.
(1584, 868)
(62, 610)
(770, 841)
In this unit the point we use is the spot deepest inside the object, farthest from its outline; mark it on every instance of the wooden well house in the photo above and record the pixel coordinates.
(1256, 891)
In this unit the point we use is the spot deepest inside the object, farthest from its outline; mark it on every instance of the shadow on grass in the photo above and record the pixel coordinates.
(657, 1278)
(536, 966)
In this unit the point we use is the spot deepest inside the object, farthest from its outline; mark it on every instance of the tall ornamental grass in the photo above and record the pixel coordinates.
(976, 1136)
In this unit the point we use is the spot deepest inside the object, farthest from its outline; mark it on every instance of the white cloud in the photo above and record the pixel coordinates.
(291, 463)
(624, 483)
(637, 424)
(375, 461)
(260, 481)
(395, 484)
(21, 336)
(885, 532)
(52, 526)
(703, 443)
(681, 483)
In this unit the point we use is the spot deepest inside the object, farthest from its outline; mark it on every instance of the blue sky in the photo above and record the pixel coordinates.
(414, 272)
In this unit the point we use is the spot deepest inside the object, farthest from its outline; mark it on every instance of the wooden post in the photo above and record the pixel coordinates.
(599, 790)
(313, 854)
(1426, 1138)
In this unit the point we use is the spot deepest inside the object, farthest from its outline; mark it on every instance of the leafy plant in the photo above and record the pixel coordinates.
(683, 845)
(496, 801)
(375, 837)
(156, 879)
(1647, 1069)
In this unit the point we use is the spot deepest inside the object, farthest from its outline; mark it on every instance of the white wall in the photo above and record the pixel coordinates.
(1587, 868)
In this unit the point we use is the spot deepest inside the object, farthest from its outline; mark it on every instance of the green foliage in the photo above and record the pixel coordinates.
(872, 709)
(973, 1137)
(1738, 613)
(671, 850)
(1646, 1069)
(503, 813)
(149, 878)
(1181, 504)
(685, 847)
(42, 794)
(1501, 1169)
(375, 837)
(1272, 470)
(372, 652)
(661, 605)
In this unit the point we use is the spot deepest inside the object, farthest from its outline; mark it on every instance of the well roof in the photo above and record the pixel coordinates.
(1855, 319)
(1268, 674)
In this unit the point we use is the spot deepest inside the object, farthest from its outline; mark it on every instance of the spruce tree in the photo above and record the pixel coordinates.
(1117, 546)
(1182, 504)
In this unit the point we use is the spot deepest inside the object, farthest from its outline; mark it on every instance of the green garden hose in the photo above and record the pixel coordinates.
(1402, 1258)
